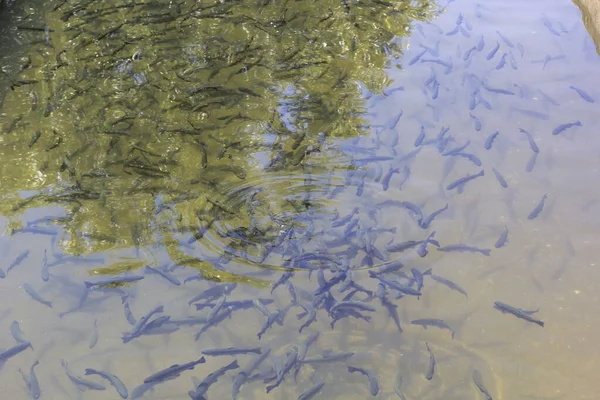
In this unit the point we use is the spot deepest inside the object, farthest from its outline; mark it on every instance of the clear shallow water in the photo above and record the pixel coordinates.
(548, 262)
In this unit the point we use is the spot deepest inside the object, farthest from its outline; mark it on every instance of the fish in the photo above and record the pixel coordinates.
(503, 239)
(583, 94)
(549, 99)
(173, 371)
(476, 121)
(203, 386)
(471, 157)
(45, 275)
(532, 143)
(427, 221)
(490, 140)
(506, 41)
(358, 305)
(421, 137)
(329, 357)
(141, 324)
(431, 366)
(538, 209)
(517, 312)
(16, 333)
(502, 61)
(468, 53)
(214, 292)
(398, 387)
(94, 337)
(478, 380)
(373, 384)
(531, 163)
(562, 127)
(498, 90)
(449, 284)
(500, 178)
(480, 44)
(417, 57)
(312, 391)
(464, 248)
(493, 52)
(13, 351)
(438, 323)
(533, 113)
(18, 260)
(388, 176)
(33, 385)
(116, 279)
(80, 383)
(112, 379)
(164, 274)
(513, 62)
(464, 180)
(422, 249)
(453, 31)
(231, 351)
(35, 295)
(548, 25)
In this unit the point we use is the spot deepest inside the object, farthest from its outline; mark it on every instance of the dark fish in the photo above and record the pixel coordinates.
(417, 57)
(476, 121)
(493, 52)
(112, 379)
(45, 274)
(490, 140)
(506, 41)
(464, 180)
(431, 367)
(538, 209)
(203, 386)
(169, 277)
(531, 163)
(35, 295)
(80, 383)
(35, 138)
(231, 351)
(16, 333)
(582, 94)
(463, 247)
(18, 260)
(502, 61)
(359, 305)
(311, 392)
(33, 386)
(422, 249)
(502, 239)
(117, 279)
(517, 312)
(438, 323)
(373, 385)
(173, 371)
(400, 247)
(532, 143)
(13, 351)
(214, 292)
(471, 157)
(138, 328)
(449, 284)
(500, 178)
(480, 44)
(562, 127)
(478, 380)
(427, 221)
(388, 176)
(418, 278)
(421, 137)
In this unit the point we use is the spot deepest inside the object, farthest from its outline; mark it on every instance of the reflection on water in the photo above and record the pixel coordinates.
(292, 185)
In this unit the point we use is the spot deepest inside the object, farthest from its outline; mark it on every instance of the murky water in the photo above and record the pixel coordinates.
(293, 152)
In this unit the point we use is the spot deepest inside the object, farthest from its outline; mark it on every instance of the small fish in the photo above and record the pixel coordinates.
(388, 176)
(438, 323)
(358, 305)
(203, 386)
(94, 337)
(506, 41)
(464, 180)
(534, 114)
(532, 143)
(164, 274)
(478, 380)
(468, 53)
(490, 140)
(517, 312)
(464, 248)
(531, 162)
(562, 127)
(421, 137)
(453, 31)
(80, 383)
(34, 138)
(400, 247)
(16, 333)
(476, 121)
(173, 371)
(480, 44)
(422, 249)
(311, 392)
(513, 62)
(500, 178)
(109, 281)
(502, 61)
(427, 221)
(503, 239)
(35, 295)
(329, 357)
(471, 157)
(33, 386)
(112, 379)
(431, 367)
(417, 57)
(583, 94)
(18, 260)
(373, 385)
(13, 351)
(231, 351)
(449, 284)
(538, 209)
(45, 274)
(493, 52)
(497, 90)
(548, 25)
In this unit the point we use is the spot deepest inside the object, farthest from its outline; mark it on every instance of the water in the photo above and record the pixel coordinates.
(150, 154)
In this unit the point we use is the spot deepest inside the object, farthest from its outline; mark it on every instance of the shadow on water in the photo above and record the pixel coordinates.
(279, 183)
